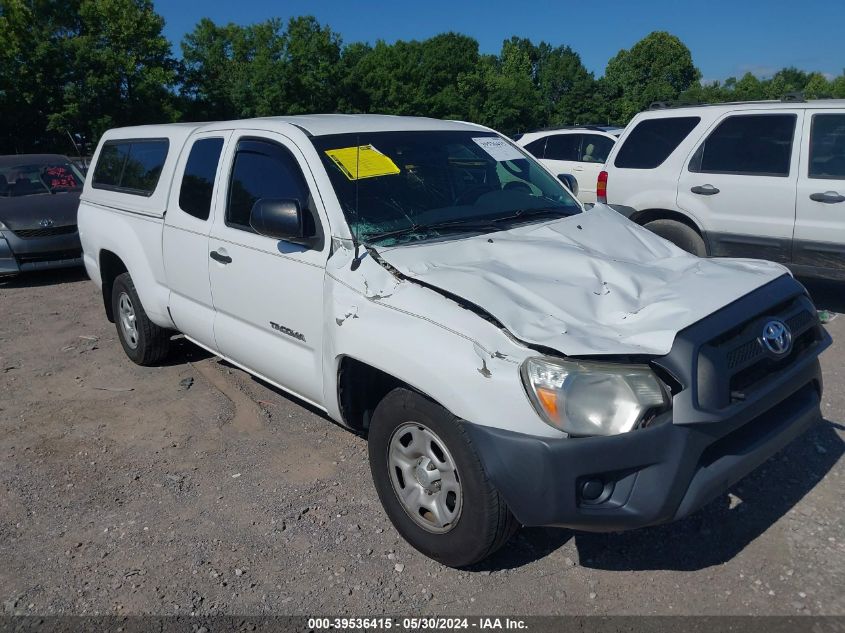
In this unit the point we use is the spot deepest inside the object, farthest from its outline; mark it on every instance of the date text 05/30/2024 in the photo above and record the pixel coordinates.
(417, 624)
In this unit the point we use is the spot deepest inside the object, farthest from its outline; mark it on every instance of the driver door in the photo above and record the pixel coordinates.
(268, 293)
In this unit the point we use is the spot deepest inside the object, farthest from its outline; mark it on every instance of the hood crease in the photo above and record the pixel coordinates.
(591, 284)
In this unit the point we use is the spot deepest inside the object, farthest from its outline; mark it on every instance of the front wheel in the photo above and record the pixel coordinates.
(431, 482)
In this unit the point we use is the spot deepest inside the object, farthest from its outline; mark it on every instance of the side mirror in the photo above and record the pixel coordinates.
(569, 182)
(281, 219)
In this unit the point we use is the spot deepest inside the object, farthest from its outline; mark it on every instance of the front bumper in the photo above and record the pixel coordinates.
(19, 254)
(663, 472)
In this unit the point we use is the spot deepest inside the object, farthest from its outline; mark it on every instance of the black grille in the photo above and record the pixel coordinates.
(752, 348)
(54, 256)
(731, 365)
(744, 353)
(49, 231)
(746, 378)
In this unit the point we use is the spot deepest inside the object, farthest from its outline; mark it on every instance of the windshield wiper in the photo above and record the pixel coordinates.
(524, 214)
(465, 226)
(450, 226)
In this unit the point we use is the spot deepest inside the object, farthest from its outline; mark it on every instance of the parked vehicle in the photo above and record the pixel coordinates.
(579, 151)
(39, 196)
(512, 358)
(756, 179)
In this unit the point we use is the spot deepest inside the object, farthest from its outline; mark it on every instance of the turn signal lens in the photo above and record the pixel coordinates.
(548, 400)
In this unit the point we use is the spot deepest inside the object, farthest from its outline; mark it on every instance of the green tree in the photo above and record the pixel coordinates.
(413, 77)
(33, 66)
(501, 92)
(262, 69)
(818, 87)
(657, 68)
(748, 88)
(786, 81)
(233, 71)
(121, 71)
(837, 87)
(312, 57)
(709, 92)
(353, 97)
(568, 91)
(79, 67)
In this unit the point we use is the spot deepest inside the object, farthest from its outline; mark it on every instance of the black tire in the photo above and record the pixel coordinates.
(484, 524)
(680, 235)
(151, 342)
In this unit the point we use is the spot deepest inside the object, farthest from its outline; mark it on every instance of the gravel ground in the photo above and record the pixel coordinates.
(193, 488)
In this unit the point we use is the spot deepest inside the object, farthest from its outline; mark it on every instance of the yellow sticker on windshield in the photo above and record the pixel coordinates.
(364, 161)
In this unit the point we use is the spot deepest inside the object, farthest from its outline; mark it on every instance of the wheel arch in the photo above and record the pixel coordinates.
(360, 388)
(111, 267)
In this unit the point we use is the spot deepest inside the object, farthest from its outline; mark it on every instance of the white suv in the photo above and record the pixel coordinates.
(759, 179)
(579, 152)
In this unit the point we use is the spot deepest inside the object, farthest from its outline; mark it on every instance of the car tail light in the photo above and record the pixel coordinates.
(601, 188)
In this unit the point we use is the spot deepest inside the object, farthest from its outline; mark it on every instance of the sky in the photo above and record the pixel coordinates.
(727, 38)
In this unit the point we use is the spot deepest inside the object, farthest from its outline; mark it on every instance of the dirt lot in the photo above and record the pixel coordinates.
(192, 488)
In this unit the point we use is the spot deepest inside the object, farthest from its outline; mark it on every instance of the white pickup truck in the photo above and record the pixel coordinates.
(512, 358)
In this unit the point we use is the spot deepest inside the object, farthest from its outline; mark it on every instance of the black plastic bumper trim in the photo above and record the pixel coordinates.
(658, 474)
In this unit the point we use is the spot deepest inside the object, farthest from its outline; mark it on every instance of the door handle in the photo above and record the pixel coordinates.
(830, 197)
(705, 190)
(219, 257)
(578, 168)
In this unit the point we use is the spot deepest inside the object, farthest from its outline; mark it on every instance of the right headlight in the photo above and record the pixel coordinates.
(592, 398)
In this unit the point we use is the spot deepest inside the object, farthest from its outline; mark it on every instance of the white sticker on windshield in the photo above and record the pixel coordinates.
(498, 148)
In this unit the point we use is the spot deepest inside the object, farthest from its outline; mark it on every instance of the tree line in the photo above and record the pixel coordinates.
(71, 69)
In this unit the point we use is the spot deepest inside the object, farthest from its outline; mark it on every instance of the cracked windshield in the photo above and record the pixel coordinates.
(402, 187)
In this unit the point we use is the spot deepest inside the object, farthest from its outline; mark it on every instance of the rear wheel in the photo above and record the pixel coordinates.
(144, 342)
(431, 482)
(680, 235)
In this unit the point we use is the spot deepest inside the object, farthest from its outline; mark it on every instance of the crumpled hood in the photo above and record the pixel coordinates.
(594, 283)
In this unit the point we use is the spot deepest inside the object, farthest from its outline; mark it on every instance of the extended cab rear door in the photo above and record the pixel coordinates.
(267, 293)
(187, 225)
(820, 209)
(740, 180)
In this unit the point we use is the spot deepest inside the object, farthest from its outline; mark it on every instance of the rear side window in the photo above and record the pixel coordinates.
(827, 147)
(653, 140)
(130, 166)
(537, 148)
(198, 181)
(748, 144)
(110, 165)
(262, 170)
(595, 148)
(563, 147)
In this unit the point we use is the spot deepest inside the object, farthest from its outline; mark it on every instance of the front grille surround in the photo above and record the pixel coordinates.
(733, 364)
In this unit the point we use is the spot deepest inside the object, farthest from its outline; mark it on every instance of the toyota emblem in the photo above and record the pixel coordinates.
(776, 337)
(46, 223)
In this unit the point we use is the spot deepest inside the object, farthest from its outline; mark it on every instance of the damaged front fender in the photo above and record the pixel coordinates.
(397, 326)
